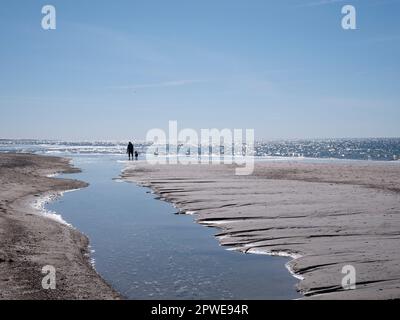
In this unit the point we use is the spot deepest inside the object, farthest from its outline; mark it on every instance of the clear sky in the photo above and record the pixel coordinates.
(115, 69)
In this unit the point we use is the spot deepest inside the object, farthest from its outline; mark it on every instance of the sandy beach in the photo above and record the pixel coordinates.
(324, 215)
(29, 241)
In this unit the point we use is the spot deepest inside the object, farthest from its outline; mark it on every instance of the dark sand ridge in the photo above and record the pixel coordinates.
(330, 215)
(29, 241)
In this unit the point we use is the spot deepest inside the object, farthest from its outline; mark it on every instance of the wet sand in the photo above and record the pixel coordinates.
(29, 241)
(324, 215)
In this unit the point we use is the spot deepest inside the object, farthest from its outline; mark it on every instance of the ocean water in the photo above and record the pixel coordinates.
(145, 251)
(378, 149)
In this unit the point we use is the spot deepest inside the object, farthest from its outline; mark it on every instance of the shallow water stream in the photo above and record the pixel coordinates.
(145, 251)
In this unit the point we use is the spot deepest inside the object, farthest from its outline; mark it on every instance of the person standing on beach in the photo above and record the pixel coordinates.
(136, 155)
(129, 150)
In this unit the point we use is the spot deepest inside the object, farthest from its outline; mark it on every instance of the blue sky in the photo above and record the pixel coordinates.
(115, 69)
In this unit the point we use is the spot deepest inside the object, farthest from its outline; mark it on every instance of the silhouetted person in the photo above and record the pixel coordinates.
(129, 150)
(136, 155)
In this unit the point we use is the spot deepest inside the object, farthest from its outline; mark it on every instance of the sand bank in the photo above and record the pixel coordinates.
(29, 240)
(325, 216)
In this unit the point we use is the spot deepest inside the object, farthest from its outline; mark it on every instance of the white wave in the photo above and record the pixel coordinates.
(294, 256)
(40, 205)
(41, 202)
(274, 253)
(218, 222)
(90, 255)
(52, 175)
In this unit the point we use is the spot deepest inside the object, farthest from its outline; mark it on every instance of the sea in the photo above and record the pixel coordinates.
(376, 149)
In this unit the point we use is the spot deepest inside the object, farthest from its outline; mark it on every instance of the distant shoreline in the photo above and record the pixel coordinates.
(29, 240)
(368, 149)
